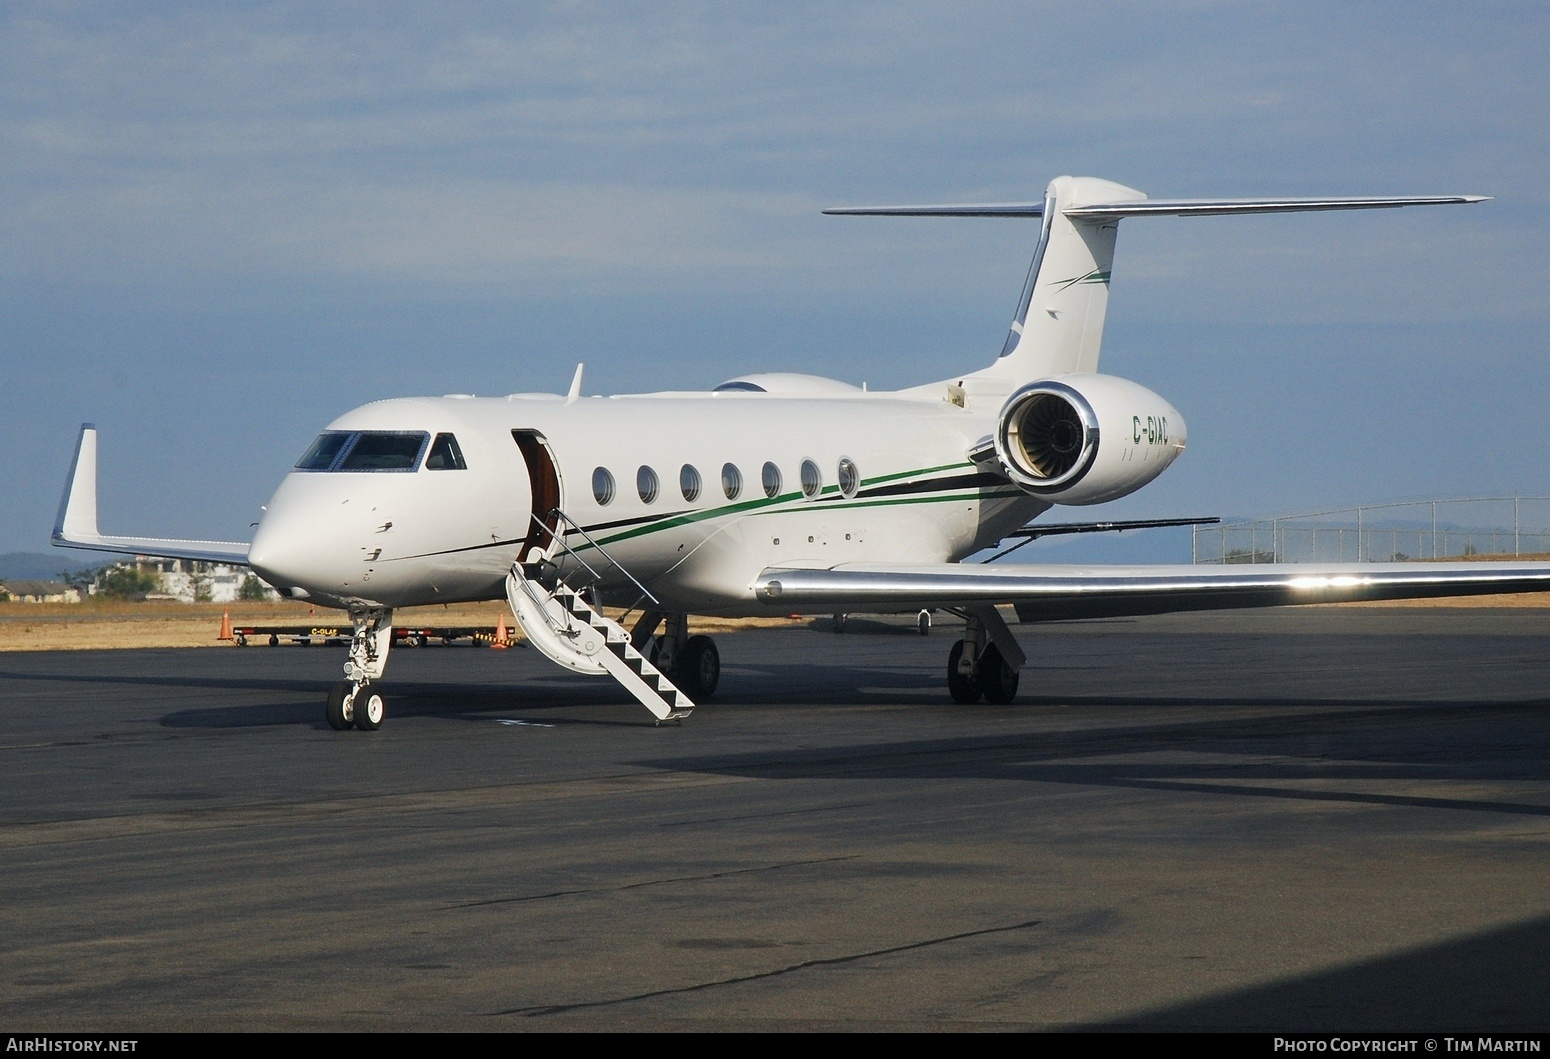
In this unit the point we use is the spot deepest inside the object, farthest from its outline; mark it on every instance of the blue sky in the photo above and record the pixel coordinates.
(223, 225)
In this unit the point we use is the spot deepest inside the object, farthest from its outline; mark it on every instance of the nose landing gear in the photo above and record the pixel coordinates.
(354, 702)
(354, 706)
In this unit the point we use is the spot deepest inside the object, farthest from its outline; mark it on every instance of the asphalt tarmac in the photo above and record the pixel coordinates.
(1315, 820)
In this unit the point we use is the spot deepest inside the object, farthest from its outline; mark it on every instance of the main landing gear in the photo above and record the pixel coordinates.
(986, 663)
(356, 702)
(692, 663)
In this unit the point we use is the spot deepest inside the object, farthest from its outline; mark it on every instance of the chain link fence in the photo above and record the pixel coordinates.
(1425, 529)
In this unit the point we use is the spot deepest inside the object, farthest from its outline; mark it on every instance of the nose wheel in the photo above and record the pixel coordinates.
(352, 705)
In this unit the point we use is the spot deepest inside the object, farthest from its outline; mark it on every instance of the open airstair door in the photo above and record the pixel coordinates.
(568, 630)
(544, 479)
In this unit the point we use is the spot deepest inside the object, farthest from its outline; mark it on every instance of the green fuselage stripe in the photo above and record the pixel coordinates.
(763, 504)
(910, 474)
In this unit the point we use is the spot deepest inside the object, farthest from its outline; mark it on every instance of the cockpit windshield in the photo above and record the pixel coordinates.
(324, 451)
(365, 450)
(384, 452)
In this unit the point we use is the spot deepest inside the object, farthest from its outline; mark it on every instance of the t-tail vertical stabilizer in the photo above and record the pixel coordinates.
(1058, 328)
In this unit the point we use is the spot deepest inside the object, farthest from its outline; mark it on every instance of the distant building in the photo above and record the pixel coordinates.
(41, 592)
(188, 581)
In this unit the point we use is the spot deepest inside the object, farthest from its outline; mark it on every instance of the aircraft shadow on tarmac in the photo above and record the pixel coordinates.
(553, 699)
(1489, 982)
(448, 702)
(775, 682)
(1352, 747)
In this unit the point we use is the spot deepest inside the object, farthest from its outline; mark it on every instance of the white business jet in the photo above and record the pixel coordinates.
(772, 493)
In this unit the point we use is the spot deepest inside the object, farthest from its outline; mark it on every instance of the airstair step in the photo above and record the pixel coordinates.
(619, 656)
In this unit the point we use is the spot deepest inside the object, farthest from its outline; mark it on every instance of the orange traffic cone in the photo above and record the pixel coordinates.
(225, 633)
(502, 637)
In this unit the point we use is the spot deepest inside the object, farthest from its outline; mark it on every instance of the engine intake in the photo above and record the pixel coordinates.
(1085, 439)
(1048, 436)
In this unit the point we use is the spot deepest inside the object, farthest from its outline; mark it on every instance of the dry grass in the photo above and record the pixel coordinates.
(99, 624)
(96, 623)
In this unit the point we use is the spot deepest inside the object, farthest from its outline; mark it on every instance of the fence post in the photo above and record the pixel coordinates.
(1359, 536)
(1434, 529)
(1515, 549)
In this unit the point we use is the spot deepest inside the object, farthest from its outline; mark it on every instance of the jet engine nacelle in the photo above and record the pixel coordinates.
(1085, 439)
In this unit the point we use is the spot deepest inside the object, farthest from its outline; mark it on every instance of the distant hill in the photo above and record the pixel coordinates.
(46, 566)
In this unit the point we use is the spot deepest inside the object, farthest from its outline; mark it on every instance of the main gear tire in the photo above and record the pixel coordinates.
(699, 669)
(997, 680)
(964, 689)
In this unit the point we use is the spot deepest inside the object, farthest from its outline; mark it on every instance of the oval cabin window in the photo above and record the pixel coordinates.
(771, 480)
(689, 483)
(602, 486)
(731, 481)
(812, 479)
(646, 484)
(850, 479)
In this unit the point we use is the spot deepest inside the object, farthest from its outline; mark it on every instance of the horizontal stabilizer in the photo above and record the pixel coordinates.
(1222, 207)
(1003, 209)
(76, 524)
(1057, 328)
(1160, 207)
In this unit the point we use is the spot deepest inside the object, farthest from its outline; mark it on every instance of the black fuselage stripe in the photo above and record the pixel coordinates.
(930, 485)
(980, 480)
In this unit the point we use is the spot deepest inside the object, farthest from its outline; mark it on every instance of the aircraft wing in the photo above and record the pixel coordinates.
(1056, 593)
(76, 524)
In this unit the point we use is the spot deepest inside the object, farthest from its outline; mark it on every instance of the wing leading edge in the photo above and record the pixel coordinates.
(76, 524)
(1057, 593)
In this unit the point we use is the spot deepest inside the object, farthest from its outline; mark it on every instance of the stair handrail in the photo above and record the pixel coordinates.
(568, 549)
(558, 513)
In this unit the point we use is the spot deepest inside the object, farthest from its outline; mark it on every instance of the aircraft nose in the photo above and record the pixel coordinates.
(273, 558)
(288, 554)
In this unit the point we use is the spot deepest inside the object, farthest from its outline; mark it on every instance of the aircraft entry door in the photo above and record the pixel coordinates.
(545, 479)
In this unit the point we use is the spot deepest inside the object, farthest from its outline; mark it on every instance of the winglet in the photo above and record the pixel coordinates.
(77, 518)
(76, 524)
(575, 385)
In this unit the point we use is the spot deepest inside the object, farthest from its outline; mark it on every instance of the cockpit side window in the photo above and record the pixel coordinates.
(324, 451)
(445, 455)
(381, 450)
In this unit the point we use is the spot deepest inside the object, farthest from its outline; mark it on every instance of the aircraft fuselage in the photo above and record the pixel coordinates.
(401, 537)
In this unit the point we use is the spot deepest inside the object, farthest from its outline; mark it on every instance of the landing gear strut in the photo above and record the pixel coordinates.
(354, 701)
(986, 662)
